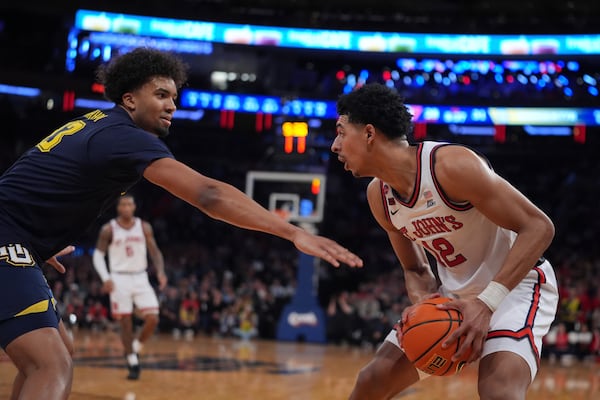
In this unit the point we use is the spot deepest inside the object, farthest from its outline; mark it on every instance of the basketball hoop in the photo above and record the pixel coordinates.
(283, 213)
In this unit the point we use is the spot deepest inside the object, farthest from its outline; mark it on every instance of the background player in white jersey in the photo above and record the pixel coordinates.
(487, 237)
(129, 241)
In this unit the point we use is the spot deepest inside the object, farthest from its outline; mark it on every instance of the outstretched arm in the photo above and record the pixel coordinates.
(224, 202)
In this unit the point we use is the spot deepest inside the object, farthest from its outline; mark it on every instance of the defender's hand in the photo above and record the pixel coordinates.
(57, 265)
(325, 248)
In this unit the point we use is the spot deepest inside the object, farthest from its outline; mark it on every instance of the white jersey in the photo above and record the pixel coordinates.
(469, 248)
(127, 251)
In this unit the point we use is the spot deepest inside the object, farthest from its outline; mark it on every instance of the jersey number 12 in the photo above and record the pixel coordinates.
(444, 252)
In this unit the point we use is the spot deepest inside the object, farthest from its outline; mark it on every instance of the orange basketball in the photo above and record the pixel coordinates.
(423, 335)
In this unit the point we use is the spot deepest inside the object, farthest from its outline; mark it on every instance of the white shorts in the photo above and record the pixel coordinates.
(523, 318)
(132, 289)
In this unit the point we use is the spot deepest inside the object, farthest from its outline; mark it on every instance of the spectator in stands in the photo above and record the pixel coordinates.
(96, 317)
(557, 340)
(569, 308)
(189, 314)
(341, 320)
(247, 327)
(169, 311)
(580, 341)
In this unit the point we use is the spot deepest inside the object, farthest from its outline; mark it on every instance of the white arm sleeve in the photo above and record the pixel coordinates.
(100, 265)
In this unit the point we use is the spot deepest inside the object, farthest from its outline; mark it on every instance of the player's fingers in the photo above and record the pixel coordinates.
(398, 328)
(351, 259)
(476, 348)
(330, 259)
(318, 249)
(450, 305)
(405, 314)
(344, 255)
(450, 340)
(454, 336)
(57, 265)
(65, 251)
(463, 348)
(337, 254)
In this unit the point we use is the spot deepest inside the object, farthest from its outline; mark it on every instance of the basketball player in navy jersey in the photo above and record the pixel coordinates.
(59, 187)
(488, 240)
(128, 241)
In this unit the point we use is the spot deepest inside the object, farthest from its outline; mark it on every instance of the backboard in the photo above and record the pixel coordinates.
(295, 196)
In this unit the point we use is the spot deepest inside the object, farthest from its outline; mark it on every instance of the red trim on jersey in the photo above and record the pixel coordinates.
(438, 187)
(527, 330)
(385, 200)
(415, 194)
(148, 310)
(119, 315)
(143, 311)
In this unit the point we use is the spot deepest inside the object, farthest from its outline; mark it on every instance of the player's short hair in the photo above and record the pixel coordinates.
(125, 196)
(132, 70)
(378, 105)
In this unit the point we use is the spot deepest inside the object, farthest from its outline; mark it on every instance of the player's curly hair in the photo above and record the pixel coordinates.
(378, 105)
(132, 70)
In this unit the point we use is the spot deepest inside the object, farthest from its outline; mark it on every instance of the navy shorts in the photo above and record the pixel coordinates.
(26, 301)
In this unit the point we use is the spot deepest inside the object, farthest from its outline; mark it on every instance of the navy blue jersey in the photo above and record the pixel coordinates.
(56, 190)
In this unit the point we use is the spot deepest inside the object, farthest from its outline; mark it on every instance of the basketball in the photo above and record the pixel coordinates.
(423, 335)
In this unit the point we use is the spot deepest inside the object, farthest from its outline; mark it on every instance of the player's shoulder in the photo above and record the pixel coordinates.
(459, 169)
(455, 157)
(450, 150)
(374, 189)
(146, 226)
(106, 228)
(112, 121)
(116, 118)
(374, 184)
(106, 126)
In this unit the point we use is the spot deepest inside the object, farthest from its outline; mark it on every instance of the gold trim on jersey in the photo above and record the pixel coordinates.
(39, 307)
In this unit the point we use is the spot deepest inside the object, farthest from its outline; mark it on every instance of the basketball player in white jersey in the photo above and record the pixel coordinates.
(128, 241)
(488, 240)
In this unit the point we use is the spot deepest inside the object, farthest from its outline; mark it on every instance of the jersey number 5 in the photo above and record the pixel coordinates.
(444, 252)
(55, 137)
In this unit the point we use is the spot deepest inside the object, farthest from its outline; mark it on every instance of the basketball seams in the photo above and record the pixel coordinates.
(453, 364)
(428, 320)
(448, 329)
(431, 321)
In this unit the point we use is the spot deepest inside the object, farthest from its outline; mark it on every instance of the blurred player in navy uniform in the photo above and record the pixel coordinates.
(59, 187)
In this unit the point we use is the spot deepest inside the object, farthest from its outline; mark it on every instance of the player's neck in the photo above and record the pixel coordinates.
(126, 222)
(398, 168)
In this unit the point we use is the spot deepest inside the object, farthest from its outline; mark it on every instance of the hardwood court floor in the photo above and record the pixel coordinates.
(227, 369)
